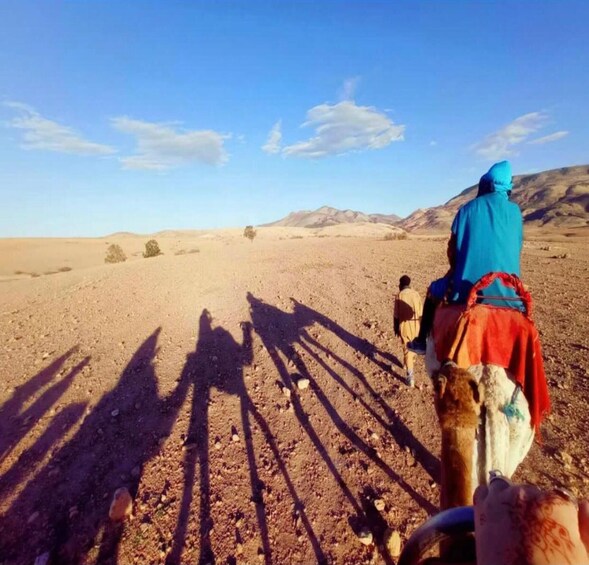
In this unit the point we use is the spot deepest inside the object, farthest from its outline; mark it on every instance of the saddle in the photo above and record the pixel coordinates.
(475, 333)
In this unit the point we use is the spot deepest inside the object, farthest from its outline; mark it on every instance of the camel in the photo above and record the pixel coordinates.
(458, 405)
(485, 423)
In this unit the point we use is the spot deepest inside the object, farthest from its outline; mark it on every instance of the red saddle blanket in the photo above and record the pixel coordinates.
(496, 336)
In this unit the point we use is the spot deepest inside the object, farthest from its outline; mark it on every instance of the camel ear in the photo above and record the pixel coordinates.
(476, 391)
(440, 382)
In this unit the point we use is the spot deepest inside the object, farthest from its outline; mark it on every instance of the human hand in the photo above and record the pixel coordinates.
(524, 525)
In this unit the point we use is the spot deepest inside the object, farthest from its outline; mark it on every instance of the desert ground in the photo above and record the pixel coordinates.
(177, 377)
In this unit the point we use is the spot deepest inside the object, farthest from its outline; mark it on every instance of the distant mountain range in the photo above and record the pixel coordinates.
(558, 198)
(327, 216)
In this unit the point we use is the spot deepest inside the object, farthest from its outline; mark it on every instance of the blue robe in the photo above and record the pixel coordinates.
(489, 237)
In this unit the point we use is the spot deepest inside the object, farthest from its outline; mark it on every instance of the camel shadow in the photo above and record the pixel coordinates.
(404, 437)
(217, 363)
(280, 332)
(108, 450)
(20, 413)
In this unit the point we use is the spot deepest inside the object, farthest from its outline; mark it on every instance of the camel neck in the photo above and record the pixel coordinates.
(457, 461)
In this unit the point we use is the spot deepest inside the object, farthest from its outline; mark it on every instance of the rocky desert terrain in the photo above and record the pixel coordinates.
(248, 395)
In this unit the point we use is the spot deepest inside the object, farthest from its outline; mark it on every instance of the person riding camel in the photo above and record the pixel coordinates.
(487, 235)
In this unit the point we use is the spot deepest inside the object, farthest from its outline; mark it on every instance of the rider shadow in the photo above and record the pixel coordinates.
(307, 316)
(109, 450)
(280, 331)
(217, 363)
(404, 437)
(16, 421)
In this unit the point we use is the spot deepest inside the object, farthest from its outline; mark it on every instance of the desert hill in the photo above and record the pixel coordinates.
(328, 216)
(558, 198)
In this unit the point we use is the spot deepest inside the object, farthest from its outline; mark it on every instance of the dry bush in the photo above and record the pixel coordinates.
(394, 236)
(152, 249)
(115, 254)
(64, 269)
(187, 252)
(250, 233)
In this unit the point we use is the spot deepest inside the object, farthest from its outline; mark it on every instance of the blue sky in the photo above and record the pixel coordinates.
(143, 116)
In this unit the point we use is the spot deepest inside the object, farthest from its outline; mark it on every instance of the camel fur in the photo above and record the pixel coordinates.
(499, 442)
(458, 405)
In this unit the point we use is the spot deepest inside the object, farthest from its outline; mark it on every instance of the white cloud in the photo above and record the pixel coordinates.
(272, 144)
(500, 144)
(41, 133)
(548, 138)
(345, 127)
(160, 147)
(348, 89)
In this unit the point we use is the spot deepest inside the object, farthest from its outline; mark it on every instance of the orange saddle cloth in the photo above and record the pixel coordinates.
(477, 333)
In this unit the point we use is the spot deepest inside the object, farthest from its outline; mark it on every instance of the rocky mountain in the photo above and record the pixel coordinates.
(327, 216)
(558, 198)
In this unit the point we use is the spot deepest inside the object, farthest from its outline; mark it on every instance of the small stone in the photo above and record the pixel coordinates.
(33, 517)
(218, 444)
(238, 549)
(303, 383)
(392, 541)
(379, 504)
(235, 437)
(121, 506)
(365, 536)
(374, 436)
(286, 391)
(115, 413)
(566, 459)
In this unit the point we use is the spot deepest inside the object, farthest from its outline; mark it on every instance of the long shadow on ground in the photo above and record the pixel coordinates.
(218, 362)
(280, 332)
(109, 450)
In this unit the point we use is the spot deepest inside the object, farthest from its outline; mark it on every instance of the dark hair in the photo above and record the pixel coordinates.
(404, 281)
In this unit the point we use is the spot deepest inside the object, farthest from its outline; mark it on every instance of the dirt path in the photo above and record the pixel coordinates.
(177, 378)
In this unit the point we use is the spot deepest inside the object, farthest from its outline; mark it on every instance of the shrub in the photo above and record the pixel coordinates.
(115, 254)
(250, 233)
(152, 249)
(64, 269)
(393, 236)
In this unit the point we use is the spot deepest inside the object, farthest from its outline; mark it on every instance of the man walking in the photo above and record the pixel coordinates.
(407, 318)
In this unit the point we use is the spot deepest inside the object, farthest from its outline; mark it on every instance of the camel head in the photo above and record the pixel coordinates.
(457, 397)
